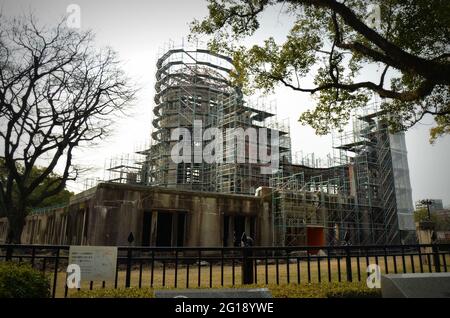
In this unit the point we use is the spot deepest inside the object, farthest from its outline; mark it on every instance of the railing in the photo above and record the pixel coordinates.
(185, 267)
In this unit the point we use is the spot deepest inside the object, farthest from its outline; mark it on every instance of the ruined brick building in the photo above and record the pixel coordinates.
(362, 194)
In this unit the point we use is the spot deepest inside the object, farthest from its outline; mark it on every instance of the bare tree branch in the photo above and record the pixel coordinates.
(57, 93)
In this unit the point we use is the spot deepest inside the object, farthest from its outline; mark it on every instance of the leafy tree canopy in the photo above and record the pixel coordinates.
(422, 215)
(338, 43)
(62, 197)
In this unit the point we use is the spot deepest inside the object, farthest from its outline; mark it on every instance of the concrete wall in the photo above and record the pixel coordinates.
(3, 230)
(108, 213)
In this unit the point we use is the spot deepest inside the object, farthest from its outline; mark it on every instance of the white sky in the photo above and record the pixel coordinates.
(138, 29)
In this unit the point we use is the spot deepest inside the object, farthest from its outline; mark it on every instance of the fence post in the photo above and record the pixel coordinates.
(55, 273)
(9, 252)
(437, 261)
(247, 266)
(33, 255)
(128, 273)
(348, 262)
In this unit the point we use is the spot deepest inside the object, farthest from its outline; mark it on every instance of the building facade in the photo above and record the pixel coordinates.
(362, 196)
(109, 212)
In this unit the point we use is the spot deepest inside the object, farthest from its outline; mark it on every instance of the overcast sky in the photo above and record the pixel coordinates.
(138, 29)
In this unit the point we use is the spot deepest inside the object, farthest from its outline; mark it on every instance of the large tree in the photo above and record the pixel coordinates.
(339, 43)
(62, 197)
(57, 93)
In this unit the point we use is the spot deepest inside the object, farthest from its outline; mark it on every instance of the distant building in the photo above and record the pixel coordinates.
(436, 204)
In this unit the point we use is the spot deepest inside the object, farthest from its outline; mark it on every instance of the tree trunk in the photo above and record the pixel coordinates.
(16, 222)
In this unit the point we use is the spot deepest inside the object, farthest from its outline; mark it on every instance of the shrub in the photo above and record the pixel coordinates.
(314, 290)
(22, 281)
(115, 293)
(353, 290)
(325, 290)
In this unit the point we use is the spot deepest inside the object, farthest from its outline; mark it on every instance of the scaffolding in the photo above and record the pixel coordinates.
(242, 174)
(190, 84)
(193, 85)
(360, 194)
(124, 169)
(314, 198)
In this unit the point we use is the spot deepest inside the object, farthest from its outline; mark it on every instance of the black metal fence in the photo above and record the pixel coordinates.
(185, 267)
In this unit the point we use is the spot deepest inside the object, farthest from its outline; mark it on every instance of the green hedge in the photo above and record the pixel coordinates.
(115, 293)
(324, 290)
(22, 281)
